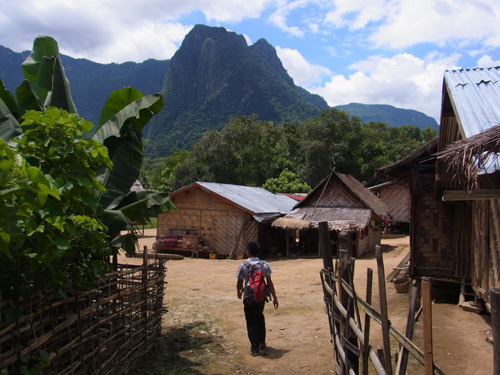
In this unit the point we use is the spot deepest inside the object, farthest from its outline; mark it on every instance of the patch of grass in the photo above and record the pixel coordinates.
(152, 223)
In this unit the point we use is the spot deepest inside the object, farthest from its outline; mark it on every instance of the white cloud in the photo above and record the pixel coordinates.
(303, 73)
(280, 16)
(440, 22)
(487, 61)
(404, 81)
(356, 14)
(113, 31)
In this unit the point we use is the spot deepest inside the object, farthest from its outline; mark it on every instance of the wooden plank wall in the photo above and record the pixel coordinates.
(494, 276)
(480, 248)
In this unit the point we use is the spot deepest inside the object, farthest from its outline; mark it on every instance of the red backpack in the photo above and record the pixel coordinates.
(255, 290)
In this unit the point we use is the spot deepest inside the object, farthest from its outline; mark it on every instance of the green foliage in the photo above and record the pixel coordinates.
(254, 153)
(330, 141)
(65, 196)
(167, 182)
(52, 238)
(287, 182)
(429, 133)
(245, 152)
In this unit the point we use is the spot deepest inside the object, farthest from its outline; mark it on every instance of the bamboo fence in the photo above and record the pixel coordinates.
(102, 331)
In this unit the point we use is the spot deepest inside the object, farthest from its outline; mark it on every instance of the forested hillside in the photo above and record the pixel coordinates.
(389, 115)
(215, 75)
(90, 82)
(212, 77)
(283, 156)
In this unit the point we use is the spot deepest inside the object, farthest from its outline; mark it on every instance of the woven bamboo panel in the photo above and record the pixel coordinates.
(432, 230)
(397, 199)
(104, 331)
(232, 233)
(336, 195)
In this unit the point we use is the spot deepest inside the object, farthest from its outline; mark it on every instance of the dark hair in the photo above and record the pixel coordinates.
(253, 248)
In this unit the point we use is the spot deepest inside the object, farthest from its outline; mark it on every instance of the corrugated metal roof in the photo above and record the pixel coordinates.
(475, 94)
(256, 201)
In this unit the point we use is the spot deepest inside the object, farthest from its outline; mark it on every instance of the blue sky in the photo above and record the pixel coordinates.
(366, 51)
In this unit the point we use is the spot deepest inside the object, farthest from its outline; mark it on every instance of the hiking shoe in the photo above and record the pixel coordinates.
(255, 354)
(262, 346)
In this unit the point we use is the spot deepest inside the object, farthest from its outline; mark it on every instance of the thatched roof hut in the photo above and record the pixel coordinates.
(345, 204)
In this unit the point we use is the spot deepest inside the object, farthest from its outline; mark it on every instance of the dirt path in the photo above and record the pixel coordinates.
(204, 329)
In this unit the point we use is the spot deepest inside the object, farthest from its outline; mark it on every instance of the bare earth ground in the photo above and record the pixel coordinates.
(204, 328)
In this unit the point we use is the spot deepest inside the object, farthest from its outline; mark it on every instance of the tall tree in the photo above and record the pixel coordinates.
(330, 141)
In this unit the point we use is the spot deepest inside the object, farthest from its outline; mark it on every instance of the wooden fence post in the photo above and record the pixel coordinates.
(427, 310)
(366, 346)
(325, 245)
(495, 327)
(403, 353)
(383, 310)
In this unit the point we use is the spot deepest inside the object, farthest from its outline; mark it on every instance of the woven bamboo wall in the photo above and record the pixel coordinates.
(216, 221)
(104, 331)
(432, 229)
(397, 199)
(336, 195)
(232, 233)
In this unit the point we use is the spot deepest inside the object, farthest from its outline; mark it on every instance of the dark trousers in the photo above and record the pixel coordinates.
(256, 323)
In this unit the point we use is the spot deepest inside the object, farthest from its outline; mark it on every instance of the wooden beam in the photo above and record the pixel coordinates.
(427, 308)
(462, 195)
(398, 268)
(495, 325)
(383, 310)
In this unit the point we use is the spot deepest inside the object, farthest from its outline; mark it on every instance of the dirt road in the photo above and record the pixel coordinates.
(204, 329)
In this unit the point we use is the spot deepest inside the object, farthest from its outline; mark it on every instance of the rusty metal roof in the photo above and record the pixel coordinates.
(259, 202)
(475, 96)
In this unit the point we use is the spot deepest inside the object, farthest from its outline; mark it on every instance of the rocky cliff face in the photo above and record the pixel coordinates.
(215, 75)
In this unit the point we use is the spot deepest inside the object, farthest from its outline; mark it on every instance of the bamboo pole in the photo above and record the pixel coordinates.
(495, 327)
(366, 347)
(403, 353)
(383, 309)
(427, 309)
(375, 315)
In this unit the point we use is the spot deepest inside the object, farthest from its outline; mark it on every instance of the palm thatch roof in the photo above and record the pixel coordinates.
(338, 218)
(468, 157)
(315, 208)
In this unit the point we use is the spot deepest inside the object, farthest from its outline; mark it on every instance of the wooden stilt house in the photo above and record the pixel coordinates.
(467, 170)
(455, 185)
(220, 219)
(346, 205)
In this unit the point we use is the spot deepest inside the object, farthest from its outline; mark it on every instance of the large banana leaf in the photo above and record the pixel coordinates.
(125, 113)
(136, 206)
(44, 71)
(9, 115)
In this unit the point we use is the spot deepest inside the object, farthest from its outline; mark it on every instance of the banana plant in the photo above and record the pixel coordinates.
(122, 119)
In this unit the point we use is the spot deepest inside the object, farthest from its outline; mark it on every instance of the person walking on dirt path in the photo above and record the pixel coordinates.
(250, 286)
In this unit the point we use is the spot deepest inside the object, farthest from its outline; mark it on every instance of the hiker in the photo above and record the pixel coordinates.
(254, 286)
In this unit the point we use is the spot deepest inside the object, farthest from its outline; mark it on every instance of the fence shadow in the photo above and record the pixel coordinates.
(168, 355)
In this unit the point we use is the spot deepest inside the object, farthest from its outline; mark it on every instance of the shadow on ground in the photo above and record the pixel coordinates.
(179, 351)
